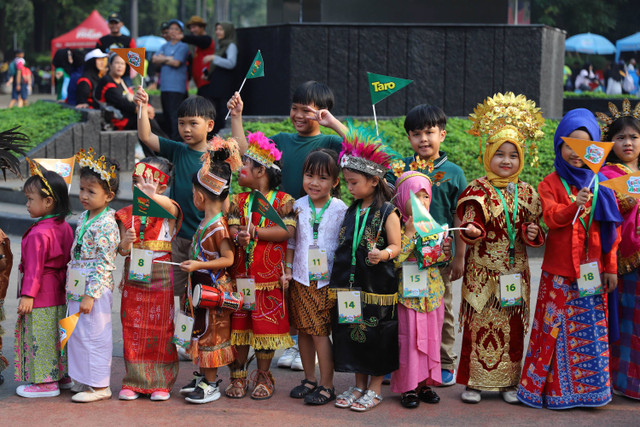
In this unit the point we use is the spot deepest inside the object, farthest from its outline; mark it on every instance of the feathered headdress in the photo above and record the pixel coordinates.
(36, 169)
(11, 142)
(234, 159)
(507, 117)
(616, 114)
(263, 150)
(99, 166)
(366, 152)
(219, 150)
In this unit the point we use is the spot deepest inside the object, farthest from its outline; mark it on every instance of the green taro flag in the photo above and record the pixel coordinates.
(257, 67)
(261, 205)
(143, 205)
(422, 219)
(382, 86)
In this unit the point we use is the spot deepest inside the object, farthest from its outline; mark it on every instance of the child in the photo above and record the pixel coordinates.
(554, 375)
(260, 255)
(6, 262)
(501, 216)
(369, 239)
(623, 129)
(212, 251)
(46, 246)
(151, 362)
(92, 264)
(319, 219)
(419, 318)
(196, 117)
(425, 126)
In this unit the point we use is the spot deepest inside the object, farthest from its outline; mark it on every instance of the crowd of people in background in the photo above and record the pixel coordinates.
(619, 77)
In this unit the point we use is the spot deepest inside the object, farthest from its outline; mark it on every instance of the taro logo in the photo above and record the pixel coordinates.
(62, 169)
(633, 185)
(134, 59)
(594, 154)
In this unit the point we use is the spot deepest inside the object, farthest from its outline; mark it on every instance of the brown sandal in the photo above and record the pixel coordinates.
(238, 381)
(264, 385)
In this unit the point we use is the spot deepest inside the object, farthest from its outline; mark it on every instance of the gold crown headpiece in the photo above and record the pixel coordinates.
(616, 114)
(507, 117)
(99, 166)
(423, 166)
(36, 170)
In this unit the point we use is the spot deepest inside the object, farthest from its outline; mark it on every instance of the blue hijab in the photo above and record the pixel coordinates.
(606, 209)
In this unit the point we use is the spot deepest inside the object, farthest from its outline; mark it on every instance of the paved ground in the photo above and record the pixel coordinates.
(5, 99)
(280, 410)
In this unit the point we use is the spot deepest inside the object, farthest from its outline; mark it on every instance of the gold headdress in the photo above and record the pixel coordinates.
(507, 117)
(36, 169)
(616, 114)
(99, 166)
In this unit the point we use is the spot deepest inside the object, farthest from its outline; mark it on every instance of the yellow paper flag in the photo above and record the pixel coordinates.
(628, 184)
(66, 327)
(63, 167)
(132, 56)
(593, 153)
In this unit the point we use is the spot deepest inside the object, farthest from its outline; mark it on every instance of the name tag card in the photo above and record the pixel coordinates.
(414, 281)
(511, 290)
(349, 307)
(140, 267)
(589, 282)
(183, 330)
(317, 264)
(247, 287)
(76, 283)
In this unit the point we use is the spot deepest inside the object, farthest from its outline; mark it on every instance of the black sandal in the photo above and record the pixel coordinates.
(302, 390)
(317, 398)
(410, 399)
(427, 395)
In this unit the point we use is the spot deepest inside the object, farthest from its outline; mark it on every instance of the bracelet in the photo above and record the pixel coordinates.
(235, 238)
(255, 234)
(124, 251)
(390, 253)
(289, 265)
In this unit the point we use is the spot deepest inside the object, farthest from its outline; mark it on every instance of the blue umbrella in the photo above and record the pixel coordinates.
(589, 43)
(150, 43)
(629, 43)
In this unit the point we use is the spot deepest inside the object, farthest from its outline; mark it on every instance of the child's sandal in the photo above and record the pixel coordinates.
(369, 400)
(264, 385)
(317, 398)
(238, 382)
(302, 390)
(348, 397)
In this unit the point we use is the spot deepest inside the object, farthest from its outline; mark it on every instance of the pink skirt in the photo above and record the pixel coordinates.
(419, 338)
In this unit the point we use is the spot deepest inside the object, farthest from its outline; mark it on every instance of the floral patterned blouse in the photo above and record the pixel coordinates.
(98, 252)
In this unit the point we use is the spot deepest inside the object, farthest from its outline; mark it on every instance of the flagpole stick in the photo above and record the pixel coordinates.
(239, 90)
(582, 207)
(375, 118)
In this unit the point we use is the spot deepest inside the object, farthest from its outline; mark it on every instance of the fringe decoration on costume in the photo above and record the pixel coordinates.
(367, 297)
(240, 373)
(242, 337)
(466, 310)
(264, 354)
(212, 359)
(267, 286)
(272, 342)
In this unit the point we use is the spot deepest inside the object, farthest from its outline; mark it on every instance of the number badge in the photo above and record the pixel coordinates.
(349, 307)
(247, 287)
(511, 290)
(589, 282)
(318, 265)
(76, 282)
(183, 329)
(414, 281)
(140, 266)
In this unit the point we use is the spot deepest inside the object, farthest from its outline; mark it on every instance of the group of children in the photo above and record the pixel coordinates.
(367, 286)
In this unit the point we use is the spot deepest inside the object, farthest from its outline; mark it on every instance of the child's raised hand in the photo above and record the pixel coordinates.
(86, 304)
(472, 231)
(147, 184)
(322, 116)
(375, 256)
(190, 265)
(235, 105)
(25, 306)
(532, 232)
(141, 97)
(582, 197)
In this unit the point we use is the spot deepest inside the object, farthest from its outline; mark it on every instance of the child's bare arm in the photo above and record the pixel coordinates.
(224, 261)
(326, 119)
(235, 106)
(144, 127)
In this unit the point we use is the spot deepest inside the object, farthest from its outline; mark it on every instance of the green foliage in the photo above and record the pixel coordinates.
(40, 120)
(601, 95)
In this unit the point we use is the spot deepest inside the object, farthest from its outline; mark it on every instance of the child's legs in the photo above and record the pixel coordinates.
(210, 374)
(325, 360)
(179, 253)
(448, 356)
(264, 358)
(375, 383)
(362, 381)
(307, 355)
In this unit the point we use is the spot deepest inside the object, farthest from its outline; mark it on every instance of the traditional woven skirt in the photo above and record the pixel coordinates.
(625, 353)
(150, 358)
(266, 327)
(419, 339)
(37, 346)
(492, 348)
(567, 363)
(90, 346)
(211, 343)
(3, 361)
(310, 309)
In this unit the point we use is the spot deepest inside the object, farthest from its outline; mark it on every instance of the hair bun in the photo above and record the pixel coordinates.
(220, 155)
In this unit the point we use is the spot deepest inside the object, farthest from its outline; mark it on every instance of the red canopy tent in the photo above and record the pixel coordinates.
(85, 35)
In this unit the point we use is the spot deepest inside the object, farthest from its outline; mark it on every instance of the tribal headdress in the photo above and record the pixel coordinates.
(507, 117)
(263, 150)
(99, 166)
(366, 152)
(12, 142)
(36, 170)
(219, 150)
(616, 114)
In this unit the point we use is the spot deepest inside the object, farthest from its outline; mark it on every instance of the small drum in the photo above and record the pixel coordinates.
(205, 296)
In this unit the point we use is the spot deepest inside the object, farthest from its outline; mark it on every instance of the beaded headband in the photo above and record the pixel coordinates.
(263, 150)
(211, 181)
(99, 166)
(366, 152)
(616, 114)
(36, 170)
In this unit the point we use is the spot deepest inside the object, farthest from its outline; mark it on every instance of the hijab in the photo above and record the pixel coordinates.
(411, 181)
(606, 209)
(229, 37)
(506, 134)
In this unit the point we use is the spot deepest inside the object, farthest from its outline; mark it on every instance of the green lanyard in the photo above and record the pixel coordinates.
(510, 225)
(46, 217)
(593, 207)
(315, 221)
(358, 231)
(195, 250)
(83, 229)
(143, 225)
(252, 243)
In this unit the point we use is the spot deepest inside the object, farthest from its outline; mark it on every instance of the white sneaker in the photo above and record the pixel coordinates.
(204, 392)
(92, 395)
(296, 365)
(510, 396)
(288, 357)
(470, 396)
